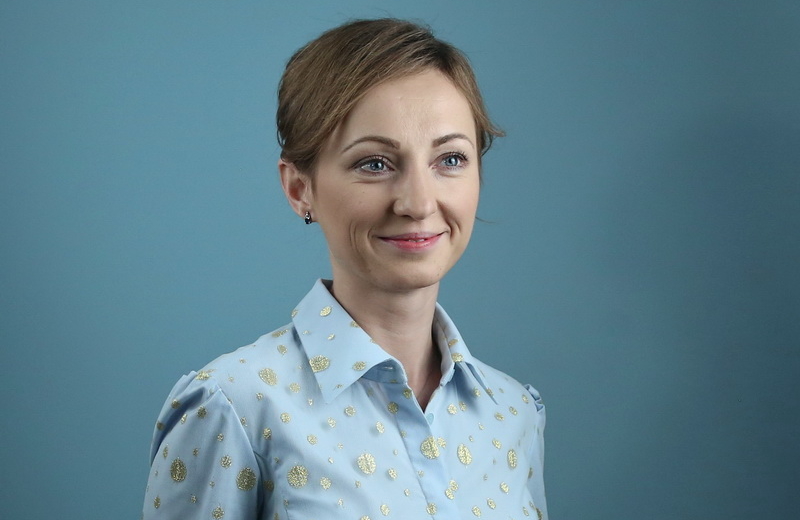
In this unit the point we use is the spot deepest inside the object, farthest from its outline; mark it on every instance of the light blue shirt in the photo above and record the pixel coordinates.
(316, 422)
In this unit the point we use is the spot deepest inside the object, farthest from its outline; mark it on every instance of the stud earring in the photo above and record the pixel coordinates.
(307, 218)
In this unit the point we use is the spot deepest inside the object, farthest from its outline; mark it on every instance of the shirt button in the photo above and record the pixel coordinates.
(430, 418)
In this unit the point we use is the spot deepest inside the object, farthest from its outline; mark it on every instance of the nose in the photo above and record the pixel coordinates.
(415, 195)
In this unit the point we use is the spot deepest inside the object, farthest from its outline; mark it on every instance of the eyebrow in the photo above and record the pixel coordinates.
(449, 137)
(396, 145)
(375, 139)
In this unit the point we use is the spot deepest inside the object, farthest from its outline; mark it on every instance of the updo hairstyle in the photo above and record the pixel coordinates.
(326, 78)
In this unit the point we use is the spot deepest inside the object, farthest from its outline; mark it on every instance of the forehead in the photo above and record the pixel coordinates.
(418, 107)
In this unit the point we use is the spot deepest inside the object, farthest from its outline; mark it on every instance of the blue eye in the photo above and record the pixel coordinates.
(375, 165)
(372, 165)
(452, 161)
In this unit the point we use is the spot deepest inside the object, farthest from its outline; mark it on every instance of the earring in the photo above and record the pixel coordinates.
(307, 218)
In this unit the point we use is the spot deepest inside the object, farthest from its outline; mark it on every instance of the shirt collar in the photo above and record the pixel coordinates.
(340, 352)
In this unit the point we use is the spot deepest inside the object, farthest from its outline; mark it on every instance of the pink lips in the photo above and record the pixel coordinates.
(413, 241)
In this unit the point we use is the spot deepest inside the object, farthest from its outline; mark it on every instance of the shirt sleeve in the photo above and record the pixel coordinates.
(536, 457)
(202, 462)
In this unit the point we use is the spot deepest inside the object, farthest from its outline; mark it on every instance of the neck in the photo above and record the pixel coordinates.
(401, 323)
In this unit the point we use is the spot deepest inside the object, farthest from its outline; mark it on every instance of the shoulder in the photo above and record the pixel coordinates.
(228, 385)
(257, 363)
(507, 390)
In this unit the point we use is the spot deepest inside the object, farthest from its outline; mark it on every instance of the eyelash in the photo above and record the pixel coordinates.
(462, 158)
(367, 160)
(359, 165)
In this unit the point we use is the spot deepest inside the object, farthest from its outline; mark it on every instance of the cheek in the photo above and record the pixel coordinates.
(467, 203)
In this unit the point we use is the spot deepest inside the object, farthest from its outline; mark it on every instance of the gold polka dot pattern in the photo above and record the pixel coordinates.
(319, 363)
(246, 479)
(366, 463)
(430, 448)
(316, 414)
(297, 476)
(177, 470)
(464, 455)
(268, 376)
(512, 459)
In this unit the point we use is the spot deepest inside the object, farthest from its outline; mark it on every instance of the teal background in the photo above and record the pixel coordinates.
(639, 263)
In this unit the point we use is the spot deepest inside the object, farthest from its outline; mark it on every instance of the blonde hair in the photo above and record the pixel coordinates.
(325, 79)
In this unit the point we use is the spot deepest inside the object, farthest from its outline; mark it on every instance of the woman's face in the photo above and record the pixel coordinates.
(396, 186)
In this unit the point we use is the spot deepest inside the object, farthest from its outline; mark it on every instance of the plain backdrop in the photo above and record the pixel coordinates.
(638, 261)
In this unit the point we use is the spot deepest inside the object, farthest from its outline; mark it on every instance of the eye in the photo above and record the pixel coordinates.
(372, 165)
(453, 161)
(375, 165)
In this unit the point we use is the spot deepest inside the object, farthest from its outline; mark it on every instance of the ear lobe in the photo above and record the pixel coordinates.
(296, 186)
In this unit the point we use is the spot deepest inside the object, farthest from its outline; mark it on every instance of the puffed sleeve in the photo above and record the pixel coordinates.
(536, 456)
(202, 462)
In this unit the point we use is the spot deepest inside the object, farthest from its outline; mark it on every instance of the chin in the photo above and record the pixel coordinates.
(411, 279)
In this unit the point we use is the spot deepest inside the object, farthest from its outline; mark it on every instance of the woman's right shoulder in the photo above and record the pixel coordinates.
(228, 382)
(268, 354)
(275, 348)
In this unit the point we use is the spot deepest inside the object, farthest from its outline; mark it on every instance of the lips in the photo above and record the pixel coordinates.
(413, 241)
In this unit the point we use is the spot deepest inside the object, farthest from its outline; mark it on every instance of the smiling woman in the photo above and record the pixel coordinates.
(395, 188)
(368, 403)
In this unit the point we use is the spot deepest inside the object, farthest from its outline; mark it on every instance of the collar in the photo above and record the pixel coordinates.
(340, 352)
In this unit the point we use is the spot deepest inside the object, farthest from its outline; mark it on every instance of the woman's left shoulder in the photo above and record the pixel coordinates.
(507, 388)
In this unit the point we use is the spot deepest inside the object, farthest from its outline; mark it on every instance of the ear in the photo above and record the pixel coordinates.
(296, 187)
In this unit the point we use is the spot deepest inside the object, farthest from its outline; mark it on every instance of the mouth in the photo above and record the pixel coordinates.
(413, 241)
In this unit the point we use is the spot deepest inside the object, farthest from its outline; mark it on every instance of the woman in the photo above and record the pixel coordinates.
(368, 404)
